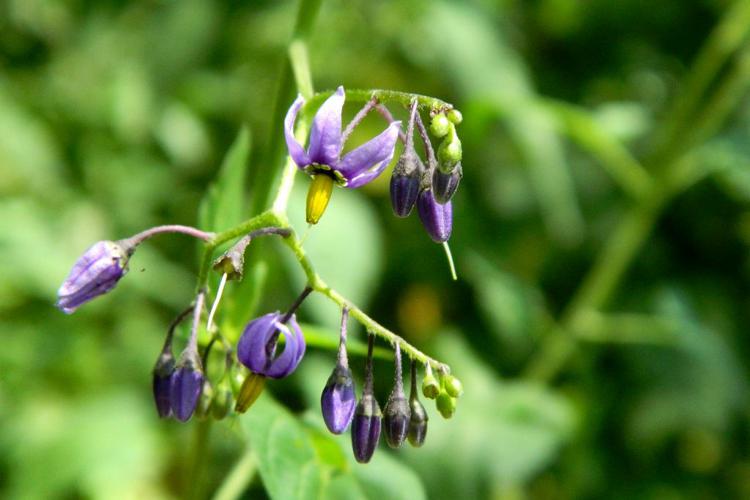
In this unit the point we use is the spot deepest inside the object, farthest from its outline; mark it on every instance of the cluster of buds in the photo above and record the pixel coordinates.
(429, 186)
(400, 420)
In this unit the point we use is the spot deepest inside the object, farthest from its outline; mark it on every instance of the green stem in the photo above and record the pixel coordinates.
(239, 477)
(198, 459)
(404, 99)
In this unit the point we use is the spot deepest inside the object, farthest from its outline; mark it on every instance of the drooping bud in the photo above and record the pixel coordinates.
(397, 412)
(444, 185)
(162, 375)
(452, 386)
(223, 399)
(437, 219)
(338, 399)
(419, 418)
(367, 415)
(95, 273)
(455, 116)
(405, 184)
(318, 197)
(203, 409)
(186, 385)
(430, 384)
(251, 388)
(446, 404)
(450, 151)
(440, 125)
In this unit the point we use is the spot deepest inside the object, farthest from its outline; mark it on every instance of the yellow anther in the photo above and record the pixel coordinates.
(318, 197)
(249, 392)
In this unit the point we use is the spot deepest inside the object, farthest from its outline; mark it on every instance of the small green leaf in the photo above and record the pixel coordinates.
(223, 204)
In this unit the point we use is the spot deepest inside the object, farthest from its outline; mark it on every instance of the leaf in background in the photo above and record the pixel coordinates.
(468, 47)
(223, 205)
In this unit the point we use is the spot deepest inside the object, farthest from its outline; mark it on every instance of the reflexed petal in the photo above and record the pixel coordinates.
(286, 362)
(296, 151)
(251, 348)
(366, 162)
(325, 134)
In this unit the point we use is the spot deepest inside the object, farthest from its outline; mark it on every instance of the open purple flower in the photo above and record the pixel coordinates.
(322, 159)
(256, 348)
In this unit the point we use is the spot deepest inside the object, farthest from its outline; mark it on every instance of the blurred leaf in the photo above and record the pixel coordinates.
(222, 206)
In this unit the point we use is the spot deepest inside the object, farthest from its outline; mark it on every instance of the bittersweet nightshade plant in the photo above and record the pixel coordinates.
(323, 161)
(338, 400)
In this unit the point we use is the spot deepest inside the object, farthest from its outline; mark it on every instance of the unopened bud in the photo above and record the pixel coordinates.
(223, 399)
(397, 413)
(444, 185)
(437, 219)
(186, 385)
(455, 116)
(162, 375)
(405, 184)
(449, 153)
(453, 386)
(203, 409)
(440, 125)
(338, 400)
(366, 428)
(430, 385)
(417, 422)
(446, 405)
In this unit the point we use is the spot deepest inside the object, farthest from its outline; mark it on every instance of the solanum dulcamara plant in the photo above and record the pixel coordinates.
(273, 345)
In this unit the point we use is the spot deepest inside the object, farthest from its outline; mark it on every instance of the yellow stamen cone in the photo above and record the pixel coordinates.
(249, 392)
(318, 197)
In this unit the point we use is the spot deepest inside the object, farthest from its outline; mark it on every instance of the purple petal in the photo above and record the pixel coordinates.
(95, 273)
(337, 401)
(296, 151)
(185, 389)
(294, 349)
(251, 348)
(366, 162)
(325, 134)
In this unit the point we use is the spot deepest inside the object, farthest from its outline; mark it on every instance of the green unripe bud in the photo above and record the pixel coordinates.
(446, 405)
(204, 404)
(440, 125)
(430, 385)
(223, 400)
(449, 153)
(455, 116)
(453, 386)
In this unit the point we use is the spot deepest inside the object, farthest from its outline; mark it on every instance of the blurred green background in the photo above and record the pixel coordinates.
(115, 116)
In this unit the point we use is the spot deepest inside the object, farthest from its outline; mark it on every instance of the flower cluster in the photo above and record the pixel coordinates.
(272, 345)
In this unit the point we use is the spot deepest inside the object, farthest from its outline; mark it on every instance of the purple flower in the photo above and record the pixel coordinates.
(338, 400)
(185, 386)
(323, 155)
(95, 273)
(323, 160)
(437, 219)
(256, 348)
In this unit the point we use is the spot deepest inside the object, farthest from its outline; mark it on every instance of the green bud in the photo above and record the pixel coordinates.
(223, 399)
(455, 116)
(430, 385)
(204, 404)
(453, 386)
(440, 125)
(449, 153)
(446, 405)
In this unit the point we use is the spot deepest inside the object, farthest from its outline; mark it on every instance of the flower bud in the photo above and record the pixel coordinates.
(162, 375)
(446, 405)
(440, 125)
(203, 409)
(95, 273)
(397, 413)
(338, 400)
(417, 422)
(366, 428)
(186, 385)
(437, 219)
(430, 385)
(405, 184)
(449, 152)
(444, 185)
(223, 399)
(367, 415)
(453, 386)
(249, 392)
(455, 116)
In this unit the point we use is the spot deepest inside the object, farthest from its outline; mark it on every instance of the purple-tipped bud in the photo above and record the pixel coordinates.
(186, 385)
(397, 413)
(419, 418)
(162, 376)
(366, 428)
(437, 219)
(338, 400)
(444, 185)
(256, 348)
(405, 184)
(95, 273)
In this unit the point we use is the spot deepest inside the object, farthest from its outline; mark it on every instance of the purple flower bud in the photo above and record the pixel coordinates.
(397, 413)
(444, 185)
(162, 376)
(366, 428)
(256, 348)
(95, 273)
(405, 185)
(338, 400)
(186, 385)
(437, 219)
(419, 418)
